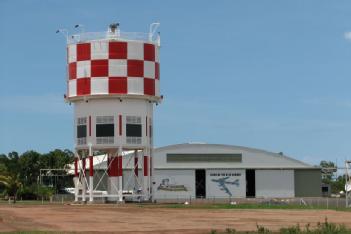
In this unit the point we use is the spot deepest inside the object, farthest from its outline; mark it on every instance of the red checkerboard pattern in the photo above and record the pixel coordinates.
(113, 67)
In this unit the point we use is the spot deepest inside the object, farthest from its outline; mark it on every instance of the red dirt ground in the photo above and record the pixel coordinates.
(134, 219)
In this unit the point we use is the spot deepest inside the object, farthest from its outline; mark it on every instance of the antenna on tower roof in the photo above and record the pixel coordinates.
(114, 27)
(152, 30)
(64, 32)
(81, 26)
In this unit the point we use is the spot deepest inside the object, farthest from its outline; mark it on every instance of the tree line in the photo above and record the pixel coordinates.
(20, 174)
(336, 182)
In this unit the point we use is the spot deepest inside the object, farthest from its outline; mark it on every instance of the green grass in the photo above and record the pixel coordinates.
(196, 205)
(321, 228)
(33, 202)
(243, 206)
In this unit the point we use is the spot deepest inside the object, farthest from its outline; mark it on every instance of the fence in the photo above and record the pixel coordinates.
(308, 202)
(317, 202)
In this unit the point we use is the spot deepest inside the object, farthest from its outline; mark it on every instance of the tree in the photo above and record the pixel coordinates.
(339, 184)
(19, 174)
(11, 184)
(30, 167)
(328, 170)
(58, 159)
(10, 174)
(328, 177)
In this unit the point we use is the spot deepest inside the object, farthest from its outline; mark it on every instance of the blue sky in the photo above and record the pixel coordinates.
(273, 75)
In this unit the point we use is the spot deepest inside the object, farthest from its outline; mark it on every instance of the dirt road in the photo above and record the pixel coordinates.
(134, 219)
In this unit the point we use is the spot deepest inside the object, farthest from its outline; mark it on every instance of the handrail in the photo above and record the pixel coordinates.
(122, 36)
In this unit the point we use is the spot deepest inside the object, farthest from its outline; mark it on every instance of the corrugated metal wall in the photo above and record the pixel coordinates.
(275, 183)
(308, 183)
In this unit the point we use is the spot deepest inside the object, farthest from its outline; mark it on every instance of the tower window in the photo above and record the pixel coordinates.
(105, 126)
(133, 126)
(133, 129)
(81, 130)
(81, 127)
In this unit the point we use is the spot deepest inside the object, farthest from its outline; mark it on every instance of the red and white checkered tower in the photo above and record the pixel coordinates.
(113, 82)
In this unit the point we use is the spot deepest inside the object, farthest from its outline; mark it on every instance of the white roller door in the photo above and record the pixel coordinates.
(275, 183)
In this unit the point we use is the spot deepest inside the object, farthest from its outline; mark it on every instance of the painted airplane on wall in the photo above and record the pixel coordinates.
(222, 182)
(167, 186)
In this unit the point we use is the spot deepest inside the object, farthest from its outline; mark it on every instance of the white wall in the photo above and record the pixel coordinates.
(180, 178)
(275, 183)
(112, 107)
(233, 186)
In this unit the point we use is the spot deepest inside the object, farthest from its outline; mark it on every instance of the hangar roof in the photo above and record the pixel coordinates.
(216, 156)
(200, 155)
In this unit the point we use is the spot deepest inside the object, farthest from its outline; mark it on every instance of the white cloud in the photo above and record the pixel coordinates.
(347, 35)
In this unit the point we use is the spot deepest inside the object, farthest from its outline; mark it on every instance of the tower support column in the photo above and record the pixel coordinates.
(91, 174)
(84, 180)
(120, 175)
(112, 170)
(151, 184)
(91, 178)
(76, 178)
(146, 179)
(136, 170)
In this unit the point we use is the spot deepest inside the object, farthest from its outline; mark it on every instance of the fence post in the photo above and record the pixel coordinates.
(327, 203)
(337, 203)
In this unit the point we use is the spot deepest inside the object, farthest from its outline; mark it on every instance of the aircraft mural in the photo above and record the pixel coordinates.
(165, 185)
(222, 184)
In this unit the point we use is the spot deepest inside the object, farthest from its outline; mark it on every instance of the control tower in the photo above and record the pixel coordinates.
(113, 83)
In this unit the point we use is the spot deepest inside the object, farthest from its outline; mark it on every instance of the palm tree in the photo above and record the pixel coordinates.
(10, 180)
(12, 184)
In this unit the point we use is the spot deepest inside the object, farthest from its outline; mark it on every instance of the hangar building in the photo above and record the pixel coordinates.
(211, 170)
(221, 171)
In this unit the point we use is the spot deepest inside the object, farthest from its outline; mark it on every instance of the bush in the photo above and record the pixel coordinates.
(230, 231)
(322, 228)
(28, 193)
(261, 229)
(45, 192)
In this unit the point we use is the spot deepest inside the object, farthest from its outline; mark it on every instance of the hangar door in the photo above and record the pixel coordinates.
(200, 183)
(274, 183)
(250, 183)
(308, 183)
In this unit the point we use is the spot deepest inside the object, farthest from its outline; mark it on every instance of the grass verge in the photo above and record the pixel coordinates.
(321, 228)
(244, 206)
